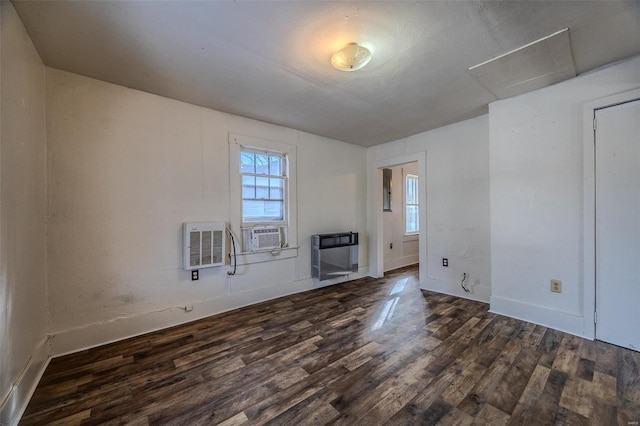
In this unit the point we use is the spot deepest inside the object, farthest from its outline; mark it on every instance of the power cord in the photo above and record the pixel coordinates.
(235, 257)
(464, 278)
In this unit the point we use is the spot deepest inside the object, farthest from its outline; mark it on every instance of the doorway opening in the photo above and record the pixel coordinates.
(375, 213)
(400, 216)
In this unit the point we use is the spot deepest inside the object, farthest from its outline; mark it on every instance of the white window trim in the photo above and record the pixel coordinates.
(404, 204)
(236, 144)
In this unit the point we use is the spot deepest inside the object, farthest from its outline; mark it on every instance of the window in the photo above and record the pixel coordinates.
(263, 186)
(262, 197)
(411, 220)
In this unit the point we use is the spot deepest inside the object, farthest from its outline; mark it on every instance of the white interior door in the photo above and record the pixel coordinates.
(618, 224)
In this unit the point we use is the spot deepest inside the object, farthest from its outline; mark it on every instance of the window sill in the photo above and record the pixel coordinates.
(248, 258)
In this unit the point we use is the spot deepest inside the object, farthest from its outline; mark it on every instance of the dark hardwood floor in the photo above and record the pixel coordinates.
(364, 352)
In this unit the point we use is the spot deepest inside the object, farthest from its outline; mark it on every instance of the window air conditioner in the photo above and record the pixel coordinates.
(204, 245)
(265, 237)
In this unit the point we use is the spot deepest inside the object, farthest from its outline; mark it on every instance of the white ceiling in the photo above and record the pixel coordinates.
(270, 60)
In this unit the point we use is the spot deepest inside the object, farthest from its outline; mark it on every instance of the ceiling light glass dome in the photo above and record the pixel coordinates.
(352, 57)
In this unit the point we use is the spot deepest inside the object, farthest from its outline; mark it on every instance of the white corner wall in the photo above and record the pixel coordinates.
(536, 148)
(457, 204)
(126, 169)
(24, 349)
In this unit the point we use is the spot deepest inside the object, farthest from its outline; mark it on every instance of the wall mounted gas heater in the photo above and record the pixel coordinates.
(334, 255)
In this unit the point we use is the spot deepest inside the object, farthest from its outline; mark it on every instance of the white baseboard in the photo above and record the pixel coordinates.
(401, 262)
(478, 293)
(97, 334)
(541, 315)
(15, 403)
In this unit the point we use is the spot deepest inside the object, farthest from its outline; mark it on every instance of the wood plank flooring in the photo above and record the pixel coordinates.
(365, 352)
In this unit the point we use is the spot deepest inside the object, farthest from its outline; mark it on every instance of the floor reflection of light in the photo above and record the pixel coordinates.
(386, 313)
(398, 287)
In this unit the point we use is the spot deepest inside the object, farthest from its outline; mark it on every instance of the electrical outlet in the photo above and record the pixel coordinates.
(556, 286)
(194, 275)
(445, 262)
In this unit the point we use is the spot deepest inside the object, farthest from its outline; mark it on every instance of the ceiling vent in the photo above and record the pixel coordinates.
(536, 65)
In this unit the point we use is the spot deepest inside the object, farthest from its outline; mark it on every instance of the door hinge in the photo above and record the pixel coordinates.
(595, 123)
(595, 317)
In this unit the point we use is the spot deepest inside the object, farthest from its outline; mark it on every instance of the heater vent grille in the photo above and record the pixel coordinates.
(204, 245)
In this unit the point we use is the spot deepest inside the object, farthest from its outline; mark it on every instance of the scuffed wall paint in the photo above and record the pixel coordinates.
(127, 168)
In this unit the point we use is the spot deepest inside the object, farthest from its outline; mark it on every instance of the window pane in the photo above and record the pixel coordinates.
(252, 210)
(262, 187)
(275, 166)
(248, 187)
(262, 195)
(247, 162)
(411, 219)
(412, 190)
(262, 211)
(262, 164)
(274, 210)
(276, 189)
(411, 204)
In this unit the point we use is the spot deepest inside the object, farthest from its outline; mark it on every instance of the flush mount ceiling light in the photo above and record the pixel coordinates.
(352, 57)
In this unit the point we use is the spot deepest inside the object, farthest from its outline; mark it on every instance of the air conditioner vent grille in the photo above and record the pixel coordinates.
(265, 238)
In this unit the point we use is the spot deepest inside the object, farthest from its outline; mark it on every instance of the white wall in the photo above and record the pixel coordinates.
(537, 192)
(457, 200)
(126, 169)
(23, 292)
(405, 247)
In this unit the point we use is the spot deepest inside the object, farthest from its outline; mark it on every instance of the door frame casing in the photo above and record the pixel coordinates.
(589, 204)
